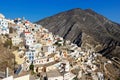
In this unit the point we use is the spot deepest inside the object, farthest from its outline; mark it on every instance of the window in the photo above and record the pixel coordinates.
(32, 57)
(29, 54)
(29, 58)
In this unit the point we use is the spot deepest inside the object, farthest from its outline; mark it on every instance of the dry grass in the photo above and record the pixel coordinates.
(6, 58)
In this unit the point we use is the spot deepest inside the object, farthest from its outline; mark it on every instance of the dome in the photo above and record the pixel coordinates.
(2, 16)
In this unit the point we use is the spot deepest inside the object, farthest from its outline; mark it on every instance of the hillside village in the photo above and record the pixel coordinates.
(41, 55)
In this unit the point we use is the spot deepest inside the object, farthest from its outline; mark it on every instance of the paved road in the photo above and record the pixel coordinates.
(117, 60)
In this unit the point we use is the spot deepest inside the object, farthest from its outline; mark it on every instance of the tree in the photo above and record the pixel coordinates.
(75, 78)
(118, 78)
(58, 43)
(31, 67)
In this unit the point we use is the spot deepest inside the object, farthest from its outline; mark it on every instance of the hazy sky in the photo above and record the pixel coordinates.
(34, 10)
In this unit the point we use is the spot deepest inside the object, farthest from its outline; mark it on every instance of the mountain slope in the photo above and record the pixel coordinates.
(87, 29)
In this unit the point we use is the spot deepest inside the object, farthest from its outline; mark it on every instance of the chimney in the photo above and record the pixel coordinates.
(6, 72)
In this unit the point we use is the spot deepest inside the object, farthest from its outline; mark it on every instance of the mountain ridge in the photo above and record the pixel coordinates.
(85, 27)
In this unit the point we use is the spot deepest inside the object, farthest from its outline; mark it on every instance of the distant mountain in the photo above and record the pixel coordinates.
(87, 29)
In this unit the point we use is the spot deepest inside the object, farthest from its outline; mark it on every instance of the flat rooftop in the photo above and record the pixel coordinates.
(53, 73)
(48, 64)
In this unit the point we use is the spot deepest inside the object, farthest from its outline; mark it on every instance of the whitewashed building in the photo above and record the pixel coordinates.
(54, 75)
(29, 38)
(44, 60)
(4, 29)
(16, 40)
(2, 16)
(50, 49)
(36, 46)
(64, 64)
(69, 76)
(19, 30)
(31, 55)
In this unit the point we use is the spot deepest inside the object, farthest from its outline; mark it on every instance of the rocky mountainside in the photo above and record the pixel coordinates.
(87, 29)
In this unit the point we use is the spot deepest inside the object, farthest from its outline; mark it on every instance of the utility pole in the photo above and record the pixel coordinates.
(6, 72)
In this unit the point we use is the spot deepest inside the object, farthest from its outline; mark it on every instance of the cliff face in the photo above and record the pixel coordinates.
(87, 29)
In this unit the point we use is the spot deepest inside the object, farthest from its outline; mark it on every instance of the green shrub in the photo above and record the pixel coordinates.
(31, 67)
(8, 43)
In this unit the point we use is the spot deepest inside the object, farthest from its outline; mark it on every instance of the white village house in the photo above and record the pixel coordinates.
(51, 49)
(29, 38)
(16, 40)
(4, 29)
(31, 55)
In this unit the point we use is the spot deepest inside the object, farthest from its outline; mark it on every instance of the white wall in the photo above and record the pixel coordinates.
(8, 78)
(50, 49)
(56, 78)
(26, 77)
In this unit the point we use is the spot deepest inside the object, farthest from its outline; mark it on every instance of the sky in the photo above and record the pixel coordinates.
(35, 10)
